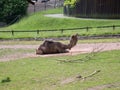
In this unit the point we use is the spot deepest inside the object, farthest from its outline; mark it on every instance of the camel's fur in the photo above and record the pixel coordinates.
(50, 47)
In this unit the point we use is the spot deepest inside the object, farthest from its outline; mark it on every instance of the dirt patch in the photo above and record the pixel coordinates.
(16, 56)
(78, 49)
(68, 80)
(101, 87)
(78, 78)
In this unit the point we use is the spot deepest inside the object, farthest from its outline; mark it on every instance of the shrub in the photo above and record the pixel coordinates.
(70, 2)
(10, 9)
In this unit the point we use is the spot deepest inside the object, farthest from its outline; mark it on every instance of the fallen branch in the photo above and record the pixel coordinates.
(88, 57)
(78, 77)
(90, 75)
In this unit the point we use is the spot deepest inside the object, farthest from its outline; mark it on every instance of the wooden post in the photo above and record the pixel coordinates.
(87, 28)
(45, 5)
(34, 8)
(61, 31)
(37, 32)
(113, 27)
(12, 33)
(55, 4)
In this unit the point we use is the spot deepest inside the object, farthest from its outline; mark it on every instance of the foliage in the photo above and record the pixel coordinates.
(10, 9)
(70, 2)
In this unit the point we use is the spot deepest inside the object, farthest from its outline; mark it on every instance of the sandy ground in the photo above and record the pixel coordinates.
(78, 49)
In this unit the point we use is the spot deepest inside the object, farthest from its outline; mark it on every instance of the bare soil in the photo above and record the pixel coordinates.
(101, 87)
(78, 49)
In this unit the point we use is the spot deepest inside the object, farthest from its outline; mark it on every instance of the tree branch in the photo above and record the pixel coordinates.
(88, 57)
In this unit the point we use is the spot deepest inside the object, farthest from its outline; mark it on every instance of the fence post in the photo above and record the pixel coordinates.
(12, 33)
(61, 31)
(87, 28)
(113, 27)
(37, 32)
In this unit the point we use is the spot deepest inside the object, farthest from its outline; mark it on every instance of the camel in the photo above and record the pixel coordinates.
(52, 47)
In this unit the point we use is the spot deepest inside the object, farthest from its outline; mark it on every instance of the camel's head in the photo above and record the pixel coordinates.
(73, 40)
(74, 37)
(39, 52)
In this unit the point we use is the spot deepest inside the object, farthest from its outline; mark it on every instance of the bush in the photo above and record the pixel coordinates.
(10, 9)
(70, 2)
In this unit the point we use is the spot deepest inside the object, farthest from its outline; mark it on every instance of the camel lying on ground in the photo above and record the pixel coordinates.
(51, 47)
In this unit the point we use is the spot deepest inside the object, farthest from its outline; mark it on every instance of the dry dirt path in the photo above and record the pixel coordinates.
(78, 49)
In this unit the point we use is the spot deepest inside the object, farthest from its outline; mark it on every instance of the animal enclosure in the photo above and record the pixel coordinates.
(82, 31)
(94, 9)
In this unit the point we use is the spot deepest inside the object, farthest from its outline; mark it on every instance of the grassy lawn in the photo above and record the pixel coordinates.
(12, 42)
(46, 73)
(38, 21)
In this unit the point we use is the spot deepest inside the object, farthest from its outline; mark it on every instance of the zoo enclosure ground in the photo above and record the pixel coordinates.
(78, 49)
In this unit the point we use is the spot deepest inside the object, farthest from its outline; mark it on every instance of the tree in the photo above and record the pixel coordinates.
(10, 9)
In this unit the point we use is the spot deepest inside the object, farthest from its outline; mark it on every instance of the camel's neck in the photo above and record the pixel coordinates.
(72, 43)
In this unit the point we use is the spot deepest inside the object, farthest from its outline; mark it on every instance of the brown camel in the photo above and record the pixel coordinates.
(51, 47)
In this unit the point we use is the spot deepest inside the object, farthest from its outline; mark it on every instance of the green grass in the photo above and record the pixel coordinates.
(38, 21)
(12, 42)
(46, 73)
